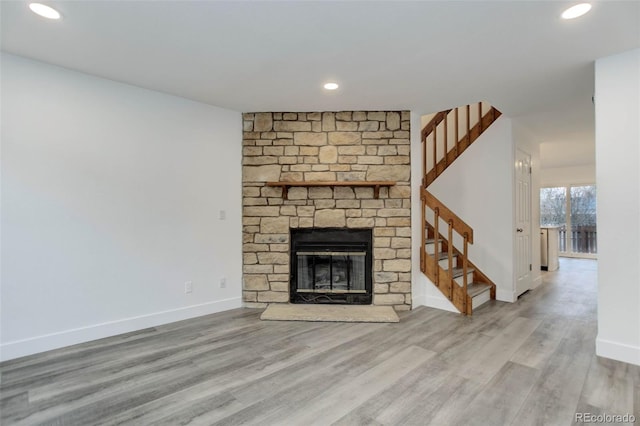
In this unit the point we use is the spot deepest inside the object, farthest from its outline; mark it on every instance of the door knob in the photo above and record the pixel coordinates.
(519, 229)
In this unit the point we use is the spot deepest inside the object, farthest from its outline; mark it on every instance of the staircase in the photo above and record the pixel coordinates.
(446, 237)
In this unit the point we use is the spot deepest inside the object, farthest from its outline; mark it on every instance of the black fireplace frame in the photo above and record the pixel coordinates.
(331, 240)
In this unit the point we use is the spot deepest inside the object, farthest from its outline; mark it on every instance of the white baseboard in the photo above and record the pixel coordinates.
(618, 351)
(19, 348)
(537, 282)
(418, 300)
(439, 303)
(505, 295)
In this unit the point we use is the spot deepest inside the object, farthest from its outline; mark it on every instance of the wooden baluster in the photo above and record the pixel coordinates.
(450, 253)
(465, 256)
(436, 238)
(423, 222)
(435, 151)
(457, 135)
(446, 142)
(424, 160)
(480, 116)
(468, 124)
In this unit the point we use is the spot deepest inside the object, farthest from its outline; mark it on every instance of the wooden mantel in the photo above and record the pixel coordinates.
(375, 184)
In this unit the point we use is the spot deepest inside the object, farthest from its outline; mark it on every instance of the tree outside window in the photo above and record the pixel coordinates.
(573, 210)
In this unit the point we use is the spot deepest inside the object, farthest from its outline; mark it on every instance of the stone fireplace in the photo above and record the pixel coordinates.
(326, 146)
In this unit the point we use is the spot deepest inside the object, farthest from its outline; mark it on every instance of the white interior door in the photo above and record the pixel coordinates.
(523, 222)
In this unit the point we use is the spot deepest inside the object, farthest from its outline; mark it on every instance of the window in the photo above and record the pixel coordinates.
(573, 210)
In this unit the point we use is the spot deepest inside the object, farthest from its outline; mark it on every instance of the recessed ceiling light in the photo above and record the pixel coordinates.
(331, 86)
(576, 11)
(44, 10)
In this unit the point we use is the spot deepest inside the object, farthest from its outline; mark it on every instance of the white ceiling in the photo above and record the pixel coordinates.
(274, 56)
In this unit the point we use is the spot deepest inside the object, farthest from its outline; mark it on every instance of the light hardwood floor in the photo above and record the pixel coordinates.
(528, 363)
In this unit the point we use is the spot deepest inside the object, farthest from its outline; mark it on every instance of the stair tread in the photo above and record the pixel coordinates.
(445, 255)
(475, 288)
(432, 240)
(458, 272)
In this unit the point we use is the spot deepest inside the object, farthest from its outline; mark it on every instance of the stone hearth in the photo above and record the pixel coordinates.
(326, 146)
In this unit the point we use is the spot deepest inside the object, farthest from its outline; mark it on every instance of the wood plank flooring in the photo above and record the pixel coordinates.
(528, 363)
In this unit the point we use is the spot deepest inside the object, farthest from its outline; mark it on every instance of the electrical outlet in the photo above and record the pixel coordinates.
(188, 287)
(222, 214)
(223, 282)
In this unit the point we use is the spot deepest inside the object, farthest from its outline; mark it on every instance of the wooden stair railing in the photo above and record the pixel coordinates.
(439, 125)
(441, 277)
(437, 133)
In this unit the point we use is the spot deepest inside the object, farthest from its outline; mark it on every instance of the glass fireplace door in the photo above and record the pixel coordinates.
(331, 272)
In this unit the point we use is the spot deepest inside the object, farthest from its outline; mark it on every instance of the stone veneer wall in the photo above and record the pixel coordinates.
(326, 146)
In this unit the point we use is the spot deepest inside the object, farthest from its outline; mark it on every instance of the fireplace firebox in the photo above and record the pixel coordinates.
(331, 265)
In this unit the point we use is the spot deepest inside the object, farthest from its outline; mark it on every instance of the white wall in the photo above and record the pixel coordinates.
(110, 203)
(572, 175)
(618, 181)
